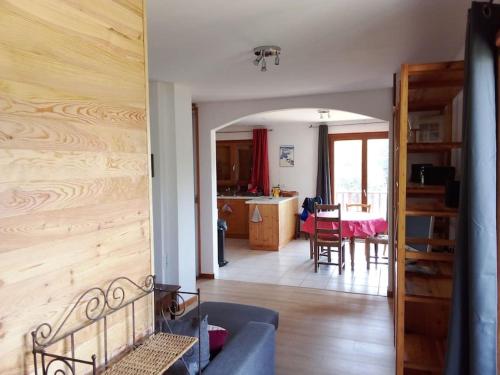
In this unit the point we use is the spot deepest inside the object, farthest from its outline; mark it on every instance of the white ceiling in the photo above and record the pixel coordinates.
(303, 115)
(328, 45)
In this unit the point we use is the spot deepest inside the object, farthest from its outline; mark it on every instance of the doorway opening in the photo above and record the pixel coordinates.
(291, 263)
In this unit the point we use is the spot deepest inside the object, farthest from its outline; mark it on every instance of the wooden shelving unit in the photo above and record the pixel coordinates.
(423, 280)
(413, 189)
(433, 147)
(424, 354)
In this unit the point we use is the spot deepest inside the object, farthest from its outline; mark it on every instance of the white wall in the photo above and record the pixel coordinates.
(301, 177)
(173, 184)
(215, 115)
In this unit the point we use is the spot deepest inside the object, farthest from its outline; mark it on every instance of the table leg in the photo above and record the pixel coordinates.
(311, 246)
(351, 249)
(367, 253)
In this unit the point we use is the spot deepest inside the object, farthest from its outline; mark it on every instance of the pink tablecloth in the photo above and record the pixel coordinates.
(354, 224)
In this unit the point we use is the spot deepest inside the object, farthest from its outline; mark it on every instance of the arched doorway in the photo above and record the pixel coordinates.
(219, 115)
(298, 131)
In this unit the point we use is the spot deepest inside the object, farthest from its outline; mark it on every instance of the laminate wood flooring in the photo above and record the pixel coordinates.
(321, 332)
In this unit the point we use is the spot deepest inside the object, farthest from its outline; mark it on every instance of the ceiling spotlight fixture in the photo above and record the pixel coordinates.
(324, 113)
(266, 51)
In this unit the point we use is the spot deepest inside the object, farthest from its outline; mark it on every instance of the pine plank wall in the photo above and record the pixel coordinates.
(74, 164)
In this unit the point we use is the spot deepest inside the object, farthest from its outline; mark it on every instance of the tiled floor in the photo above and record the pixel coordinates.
(292, 266)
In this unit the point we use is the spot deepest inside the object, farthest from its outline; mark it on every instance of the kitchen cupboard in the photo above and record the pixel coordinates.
(235, 212)
(277, 227)
(234, 163)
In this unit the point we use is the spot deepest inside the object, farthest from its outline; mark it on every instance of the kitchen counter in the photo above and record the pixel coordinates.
(235, 197)
(269, 200)
(277, 226)
(259, 200)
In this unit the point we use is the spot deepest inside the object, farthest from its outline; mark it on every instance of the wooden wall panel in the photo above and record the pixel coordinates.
(74, 173)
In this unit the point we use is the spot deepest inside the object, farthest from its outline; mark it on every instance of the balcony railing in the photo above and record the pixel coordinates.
(378, 200)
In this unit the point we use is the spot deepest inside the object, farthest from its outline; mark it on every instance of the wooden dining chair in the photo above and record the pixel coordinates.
(328, 236)
(358, 207)
(378, 239)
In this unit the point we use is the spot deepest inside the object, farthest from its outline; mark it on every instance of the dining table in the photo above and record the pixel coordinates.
(354, 224)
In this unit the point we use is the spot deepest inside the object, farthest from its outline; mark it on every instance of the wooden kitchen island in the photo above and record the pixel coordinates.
(277, 227)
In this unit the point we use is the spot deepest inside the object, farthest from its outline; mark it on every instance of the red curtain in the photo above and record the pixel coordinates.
(260, 169)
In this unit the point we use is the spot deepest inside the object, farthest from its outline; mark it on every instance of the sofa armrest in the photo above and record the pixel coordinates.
(250, 352)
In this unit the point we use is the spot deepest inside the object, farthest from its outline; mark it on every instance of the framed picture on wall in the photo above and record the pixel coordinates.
(287, 156)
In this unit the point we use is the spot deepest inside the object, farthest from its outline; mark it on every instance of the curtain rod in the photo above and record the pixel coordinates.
(240, 131)
(352, 124)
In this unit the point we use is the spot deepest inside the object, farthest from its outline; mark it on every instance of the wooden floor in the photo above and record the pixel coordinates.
(321, 332)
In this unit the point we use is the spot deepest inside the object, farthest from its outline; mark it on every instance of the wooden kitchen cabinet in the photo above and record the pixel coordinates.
(277, 227)
(237, 219)
(234, 162)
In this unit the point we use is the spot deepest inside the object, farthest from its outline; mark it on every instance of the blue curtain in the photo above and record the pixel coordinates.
(472, 337)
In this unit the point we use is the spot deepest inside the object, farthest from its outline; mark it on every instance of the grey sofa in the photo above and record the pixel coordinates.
(250, 348)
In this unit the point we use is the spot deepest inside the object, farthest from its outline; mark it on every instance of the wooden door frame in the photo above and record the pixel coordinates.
(197, 200)
(363, 137)
(498, 192)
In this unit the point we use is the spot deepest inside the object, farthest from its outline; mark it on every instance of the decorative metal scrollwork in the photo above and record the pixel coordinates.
(115, 294)
(178, 306)
(59, 371)
(97, 303)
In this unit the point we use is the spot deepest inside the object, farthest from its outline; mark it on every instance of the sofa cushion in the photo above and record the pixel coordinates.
(233, 316)
(250, 352)
(217, 337)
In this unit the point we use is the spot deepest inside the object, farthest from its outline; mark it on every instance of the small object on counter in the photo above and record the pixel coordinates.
(275, 192)
(285, 193)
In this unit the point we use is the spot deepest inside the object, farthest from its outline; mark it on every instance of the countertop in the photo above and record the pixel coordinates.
(235, 197)
(259, 200)
(269, 200)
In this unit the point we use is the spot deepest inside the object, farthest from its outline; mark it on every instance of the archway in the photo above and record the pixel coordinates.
(218, 115)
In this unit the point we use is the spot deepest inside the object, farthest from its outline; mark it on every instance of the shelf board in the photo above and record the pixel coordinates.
(433, 147)
(424, 353)
(418, 189)
(419, 255)
(431, 210)
(430, 241)
(427, 288)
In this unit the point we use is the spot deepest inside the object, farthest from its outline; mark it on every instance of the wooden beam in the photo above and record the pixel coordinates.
(438, 257)
(425, 84)
(401, 228)
(430, 241)
(433, 147)
(414, 69)
(422, 106)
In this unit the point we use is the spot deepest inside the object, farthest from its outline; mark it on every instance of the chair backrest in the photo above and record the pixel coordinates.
(358, 207)
(327, 221)
(421, 227)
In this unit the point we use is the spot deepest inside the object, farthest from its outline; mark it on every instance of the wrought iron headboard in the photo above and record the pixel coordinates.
(98, 304)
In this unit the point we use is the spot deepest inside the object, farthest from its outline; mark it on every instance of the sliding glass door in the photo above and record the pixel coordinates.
(360, 169)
